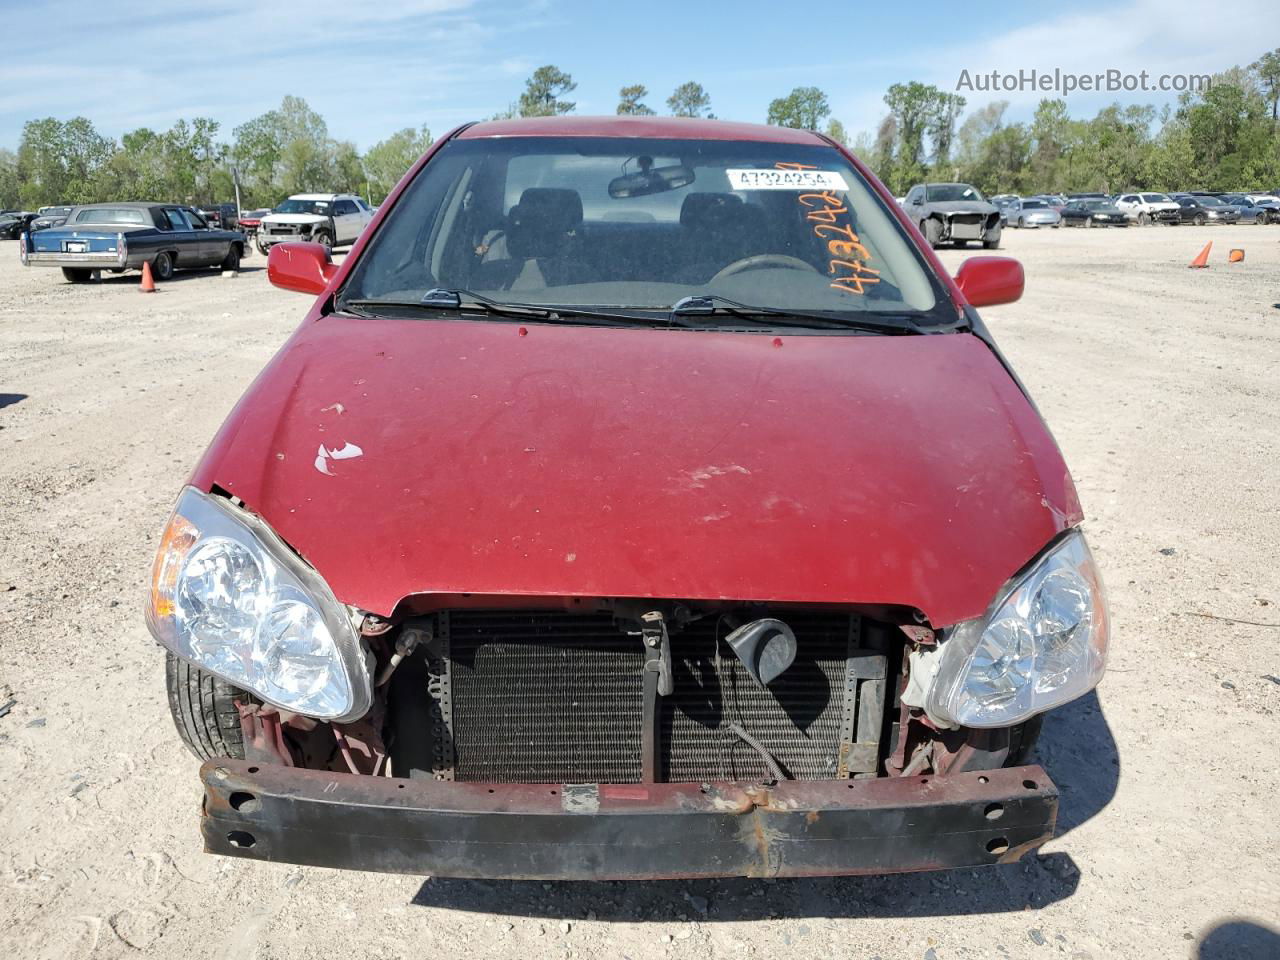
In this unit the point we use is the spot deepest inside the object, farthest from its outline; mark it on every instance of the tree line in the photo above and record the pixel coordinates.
(1224, 137)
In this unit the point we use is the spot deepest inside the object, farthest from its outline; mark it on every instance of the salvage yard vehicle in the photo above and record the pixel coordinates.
(1032, 213)
(1148, 208)
(124, 236)
(13, 223)
(47, 217)
(329, 219)
(1093, 213)
(1205, 209)
(640, 497)
(953, 213)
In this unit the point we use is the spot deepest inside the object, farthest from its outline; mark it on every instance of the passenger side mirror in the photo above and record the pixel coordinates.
(987, 281)
(301, 267)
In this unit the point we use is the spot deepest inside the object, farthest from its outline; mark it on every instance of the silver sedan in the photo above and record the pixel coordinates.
(1033, 213)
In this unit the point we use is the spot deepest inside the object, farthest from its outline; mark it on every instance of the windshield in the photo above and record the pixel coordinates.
(1033, 204)
(643, 223)
(55, 211)
(112, 215)
(1094, 204)
(948, 192)
(294, 205)
(1210, 202)
(1154, 198)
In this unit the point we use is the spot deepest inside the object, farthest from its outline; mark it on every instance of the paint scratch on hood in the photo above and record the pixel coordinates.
(348, 451)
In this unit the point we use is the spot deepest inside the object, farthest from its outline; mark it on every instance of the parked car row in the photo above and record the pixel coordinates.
(1141, 208)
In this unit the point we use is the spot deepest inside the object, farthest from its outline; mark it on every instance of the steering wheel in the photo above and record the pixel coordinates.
(762, 260)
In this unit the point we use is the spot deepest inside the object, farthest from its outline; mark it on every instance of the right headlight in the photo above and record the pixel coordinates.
(1043, 644)
(231, 597)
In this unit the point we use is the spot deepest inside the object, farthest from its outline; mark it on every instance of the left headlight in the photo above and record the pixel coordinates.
(230, 596)
(1043, 643)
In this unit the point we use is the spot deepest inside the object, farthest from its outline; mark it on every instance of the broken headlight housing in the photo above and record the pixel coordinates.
(228, 595)
(1042, 644)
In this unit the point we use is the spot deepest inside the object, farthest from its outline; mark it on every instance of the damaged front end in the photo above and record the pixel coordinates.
(578, 738)
(593, 739)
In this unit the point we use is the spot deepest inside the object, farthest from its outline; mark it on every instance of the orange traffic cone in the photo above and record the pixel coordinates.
(148, 284)
(1202, 258)
(1235, 256)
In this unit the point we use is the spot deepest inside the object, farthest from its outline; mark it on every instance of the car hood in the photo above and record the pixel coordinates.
(959, 206)
(294, 218)
(404, 457)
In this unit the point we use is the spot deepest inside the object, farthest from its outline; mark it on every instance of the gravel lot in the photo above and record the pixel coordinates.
(1161, 383)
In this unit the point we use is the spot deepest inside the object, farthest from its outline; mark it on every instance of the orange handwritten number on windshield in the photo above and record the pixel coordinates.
(849, 267)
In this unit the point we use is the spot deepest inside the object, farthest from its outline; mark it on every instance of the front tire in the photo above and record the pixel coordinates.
(1143, 220)
(77, 274)
(323, 238)
(1088, 223)
(204, 710)
(991, 239)
(1199, 220)
(162, 267)
(932, 231)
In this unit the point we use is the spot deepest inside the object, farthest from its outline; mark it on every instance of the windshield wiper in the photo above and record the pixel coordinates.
(467, 301)
(712, 304)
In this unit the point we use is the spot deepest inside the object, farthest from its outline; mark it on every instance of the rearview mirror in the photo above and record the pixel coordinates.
(987, 281)
(301, 267)
(653, 180)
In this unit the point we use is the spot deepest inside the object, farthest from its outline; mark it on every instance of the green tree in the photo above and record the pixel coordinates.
(630, 101)
(835, 130)
(804, 108)
(1267, 68)
(912, 106)
(689, 100)
(59, 162)
(388, 160)
(947, 108)
(10, 184)
(542, 93)
(287, 150)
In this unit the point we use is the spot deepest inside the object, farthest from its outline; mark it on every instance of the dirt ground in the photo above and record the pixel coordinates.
(1161, 383)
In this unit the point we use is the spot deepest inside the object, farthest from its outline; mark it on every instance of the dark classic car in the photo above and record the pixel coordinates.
(1201, 209)
(13, 223)
(953, 213)
(124, 236)
(47, 217)
(1093, 213)
(640, 497)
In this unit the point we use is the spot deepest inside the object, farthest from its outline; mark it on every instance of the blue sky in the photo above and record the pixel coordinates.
(370, 69)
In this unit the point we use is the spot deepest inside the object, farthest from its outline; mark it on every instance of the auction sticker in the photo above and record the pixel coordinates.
(786, 180)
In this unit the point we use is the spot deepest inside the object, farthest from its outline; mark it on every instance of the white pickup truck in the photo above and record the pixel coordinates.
(330, 219)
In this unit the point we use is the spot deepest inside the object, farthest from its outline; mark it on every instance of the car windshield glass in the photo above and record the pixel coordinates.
(1033, 204)
(112, 215)
(1094, 204)
(640, 224)
(1154, 198)
(1210, 201)
(294, 205)
(947, 192)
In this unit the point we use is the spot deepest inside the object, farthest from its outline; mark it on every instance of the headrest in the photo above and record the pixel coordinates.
(705, 211)
(548, 209)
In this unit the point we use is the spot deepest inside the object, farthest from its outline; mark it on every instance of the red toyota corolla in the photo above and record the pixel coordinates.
(639, 498)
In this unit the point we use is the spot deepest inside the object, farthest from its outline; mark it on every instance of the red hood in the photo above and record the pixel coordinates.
(640, 462)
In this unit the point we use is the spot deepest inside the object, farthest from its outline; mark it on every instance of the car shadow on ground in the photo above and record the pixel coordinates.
(9, 399)
(1234, 939)
(1076, 747)
(133, 278)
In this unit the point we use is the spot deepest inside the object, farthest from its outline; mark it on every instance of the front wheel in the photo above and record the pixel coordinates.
(932, 230)
(991, 239)
(77, 274)
(1143, 220)
(204, 710)
(1021, 223)
(1199, 220)
(324, 239)
(162, 267)
(1088, 223)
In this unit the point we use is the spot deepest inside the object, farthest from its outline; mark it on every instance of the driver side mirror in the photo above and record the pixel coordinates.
(301, 267)
(988, 281)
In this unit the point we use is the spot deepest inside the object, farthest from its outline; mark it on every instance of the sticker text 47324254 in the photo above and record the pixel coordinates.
(793, 177)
